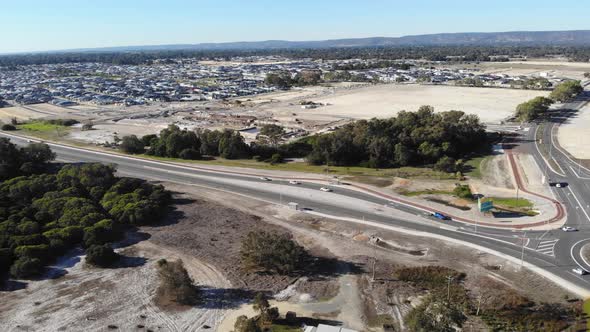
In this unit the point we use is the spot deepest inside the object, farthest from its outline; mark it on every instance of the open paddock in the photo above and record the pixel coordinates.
(382, 101)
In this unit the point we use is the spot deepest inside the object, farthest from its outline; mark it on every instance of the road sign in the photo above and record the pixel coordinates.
(484, 206)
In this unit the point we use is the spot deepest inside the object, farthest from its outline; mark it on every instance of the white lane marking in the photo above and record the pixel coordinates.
(587, 267)
(542, 156)
(577, 175)
(580, 204)
(547, 247)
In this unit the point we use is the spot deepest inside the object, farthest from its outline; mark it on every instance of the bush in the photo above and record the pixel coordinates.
(8, 127)
(26, 267)
(429, 276)
(176, 284)
(101, 255)
(132, 145)
(189, 154)
(463, 191)
(276, 159)
(271, 252)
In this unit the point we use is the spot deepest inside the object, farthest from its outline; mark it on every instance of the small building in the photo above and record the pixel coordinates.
(327, 328)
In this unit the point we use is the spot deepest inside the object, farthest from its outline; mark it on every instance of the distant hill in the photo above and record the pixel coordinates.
(536, 38)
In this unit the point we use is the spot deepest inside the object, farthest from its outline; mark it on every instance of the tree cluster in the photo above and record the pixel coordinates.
(533, 109)
(566, 91)
(44, 215)
(28, 160)
(271, 252)
(410, 138)
(285, 80)
(538, 106)
(174, 142)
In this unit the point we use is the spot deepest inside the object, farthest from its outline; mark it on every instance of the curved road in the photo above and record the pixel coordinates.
(554, 252)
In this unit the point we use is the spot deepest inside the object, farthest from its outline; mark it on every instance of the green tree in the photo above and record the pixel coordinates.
(273, 132)
(533, 108)
(566, 91)
(271, 252)
(26, 267)
(132, 145)
(101, 255)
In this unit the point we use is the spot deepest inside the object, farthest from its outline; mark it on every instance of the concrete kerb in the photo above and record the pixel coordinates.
(579, 291)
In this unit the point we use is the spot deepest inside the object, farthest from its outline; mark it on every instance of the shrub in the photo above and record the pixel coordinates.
(101, 255)
(132, 145)
(26, 267)
(8, 127)
(176, 284)
(429, 276)
(463, 191)
(271, 252)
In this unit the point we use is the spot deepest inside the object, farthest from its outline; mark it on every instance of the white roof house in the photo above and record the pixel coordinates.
(327, 328)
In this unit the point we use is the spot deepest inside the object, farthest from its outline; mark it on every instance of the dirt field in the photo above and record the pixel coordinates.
(574, 134)
(491, 105)
(557, 68)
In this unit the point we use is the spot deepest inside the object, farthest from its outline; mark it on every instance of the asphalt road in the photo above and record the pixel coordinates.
(554, 251)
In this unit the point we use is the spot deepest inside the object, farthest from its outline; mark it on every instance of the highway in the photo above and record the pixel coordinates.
(555, 252)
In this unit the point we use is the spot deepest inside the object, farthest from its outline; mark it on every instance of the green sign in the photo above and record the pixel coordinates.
(484, 206)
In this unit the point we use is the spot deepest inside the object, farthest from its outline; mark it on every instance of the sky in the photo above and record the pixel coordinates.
(40, 25)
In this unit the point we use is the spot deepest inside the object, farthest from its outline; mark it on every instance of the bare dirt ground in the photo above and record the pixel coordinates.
(556, 68)
(574, 134)
(90, 299)
(491, 105)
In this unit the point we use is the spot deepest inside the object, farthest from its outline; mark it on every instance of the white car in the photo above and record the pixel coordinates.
(558, 185)
(579, 271)
(325, 189)
(264, 178)
(294, 182)
(568, 229)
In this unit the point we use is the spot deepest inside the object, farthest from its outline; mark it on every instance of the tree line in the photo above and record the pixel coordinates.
(538, 106)
(410, 138)
(433, 53)
(53, 209)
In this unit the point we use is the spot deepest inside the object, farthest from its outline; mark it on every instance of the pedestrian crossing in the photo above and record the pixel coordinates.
(547, 247)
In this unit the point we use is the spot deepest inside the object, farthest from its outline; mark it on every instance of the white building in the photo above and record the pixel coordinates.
(327, 328)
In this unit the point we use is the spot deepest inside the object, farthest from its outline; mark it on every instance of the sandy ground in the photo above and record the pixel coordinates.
(574, 134)
(491, 105)
(560, 69)
(20, 113)
(90, 299)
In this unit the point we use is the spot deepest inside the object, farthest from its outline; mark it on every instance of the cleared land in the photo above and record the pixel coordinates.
(490, 104)
(574, 134)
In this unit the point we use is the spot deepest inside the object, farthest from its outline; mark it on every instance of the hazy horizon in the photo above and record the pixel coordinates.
(66, 24)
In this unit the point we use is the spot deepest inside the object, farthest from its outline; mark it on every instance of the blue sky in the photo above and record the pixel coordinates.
(33, 25)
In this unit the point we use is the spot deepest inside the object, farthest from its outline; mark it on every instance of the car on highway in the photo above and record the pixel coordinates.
(325, 189)
(294, 182)
(579, 271)
(264, 178)
(568, 229)
(441, 216)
